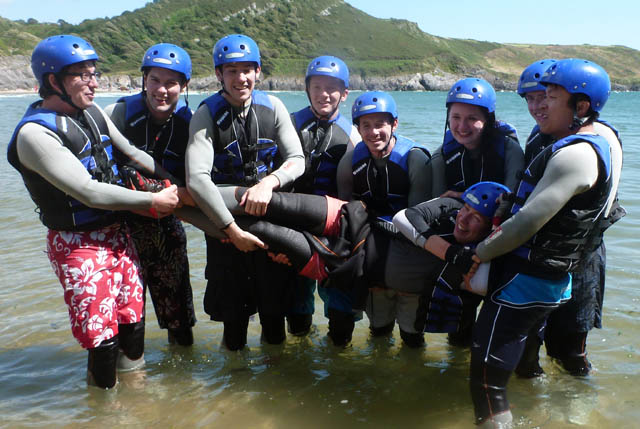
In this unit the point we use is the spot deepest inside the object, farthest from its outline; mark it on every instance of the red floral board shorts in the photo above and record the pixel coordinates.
(99, 272)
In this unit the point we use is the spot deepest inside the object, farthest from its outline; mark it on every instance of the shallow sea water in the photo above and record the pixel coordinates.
(306, 382)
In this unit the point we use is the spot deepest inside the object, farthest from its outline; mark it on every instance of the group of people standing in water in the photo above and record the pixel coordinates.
(313, 200)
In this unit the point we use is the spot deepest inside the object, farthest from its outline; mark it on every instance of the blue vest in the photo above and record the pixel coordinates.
(460, 171)
(169, 142)
(57, 210)
(245, 150)
(559, 245)
(384, 192)
(322, 154)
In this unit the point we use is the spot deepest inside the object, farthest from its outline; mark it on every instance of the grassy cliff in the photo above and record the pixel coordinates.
(291, 32)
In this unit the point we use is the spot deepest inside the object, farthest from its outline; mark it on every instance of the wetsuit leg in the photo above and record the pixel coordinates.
(303, 212)
(488, 386)
(274, 285)
(132, 339)
(235, 333)
(499, 338)
(529, 365)
(229, 296)
(181, 337)
(301, 310)
(341, 325)
(567, 328)
(101, 364)
(381, 311)
(412, 339)
(462, 337)
(273, 328)
(281, 239)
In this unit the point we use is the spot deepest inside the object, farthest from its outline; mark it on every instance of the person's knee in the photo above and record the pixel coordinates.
(101, 364)
(273, 331)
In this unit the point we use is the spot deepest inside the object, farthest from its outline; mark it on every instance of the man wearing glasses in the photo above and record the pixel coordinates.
(63, 147)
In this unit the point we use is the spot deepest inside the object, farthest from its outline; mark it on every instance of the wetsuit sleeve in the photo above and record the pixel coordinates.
(354, 137)
(116, 113)
(42, 151)
(616, 160)
(438, 179)
(571, 170)
(513, 162)
(415, 222)
(197, 218)
(199, 164)
(344, 177)
(419, 177)
(289, 146)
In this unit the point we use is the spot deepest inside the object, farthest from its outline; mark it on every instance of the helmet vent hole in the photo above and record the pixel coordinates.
(537, 75)
(226, 48)
(76, 46)
(333, 64)
(243, 47)
(375, 99)
(172, 55)
(474, 90)
(155, 52)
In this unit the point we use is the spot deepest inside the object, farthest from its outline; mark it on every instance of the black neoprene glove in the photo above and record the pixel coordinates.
(460, 256)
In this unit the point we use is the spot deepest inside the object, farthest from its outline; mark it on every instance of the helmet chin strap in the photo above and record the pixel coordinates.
(577, 122)
(382, 151)
(63, 95)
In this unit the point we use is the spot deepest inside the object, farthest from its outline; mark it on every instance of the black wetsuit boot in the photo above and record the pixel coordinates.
(101, 364)
(341, 325)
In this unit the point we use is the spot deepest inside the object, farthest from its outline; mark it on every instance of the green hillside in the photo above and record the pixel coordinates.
(291, 32)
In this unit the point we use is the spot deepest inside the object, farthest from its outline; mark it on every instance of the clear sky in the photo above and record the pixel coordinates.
(563, 22)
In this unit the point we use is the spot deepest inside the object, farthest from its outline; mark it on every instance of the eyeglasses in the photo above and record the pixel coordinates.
(86, 76)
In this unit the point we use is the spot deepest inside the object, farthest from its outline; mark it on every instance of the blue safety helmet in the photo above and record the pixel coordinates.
(580, 77)
(483, 195)
(168, 56)
(328, 66)
(54, 53)
(474, 91)
(373, 102)
(236, 48)
(530, 78)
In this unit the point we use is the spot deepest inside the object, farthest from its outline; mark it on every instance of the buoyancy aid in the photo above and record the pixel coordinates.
(460, 171)
(168, 143)
(91, 144)
(323, 143)
(558, 246)
(245, 149)
(385, 192)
